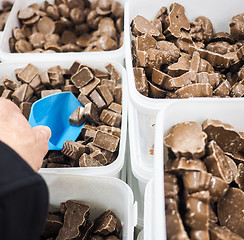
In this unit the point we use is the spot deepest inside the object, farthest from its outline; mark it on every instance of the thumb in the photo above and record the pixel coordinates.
(43, 133)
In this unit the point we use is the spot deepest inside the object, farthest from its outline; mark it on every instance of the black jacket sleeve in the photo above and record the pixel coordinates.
(23, 198)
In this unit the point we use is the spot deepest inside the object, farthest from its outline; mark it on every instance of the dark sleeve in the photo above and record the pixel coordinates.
(23, 198)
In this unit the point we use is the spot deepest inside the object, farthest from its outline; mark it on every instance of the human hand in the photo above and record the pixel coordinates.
(15, 131)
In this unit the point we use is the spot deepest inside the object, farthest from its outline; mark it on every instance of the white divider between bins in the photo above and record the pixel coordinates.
(229, 111)
(111, 170)
(101, 193)
(5, 55)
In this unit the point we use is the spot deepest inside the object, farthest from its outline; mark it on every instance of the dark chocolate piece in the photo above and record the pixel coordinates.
(77, 118)
(88, 161)
(25, 108)
(111, 118)
(97, 100)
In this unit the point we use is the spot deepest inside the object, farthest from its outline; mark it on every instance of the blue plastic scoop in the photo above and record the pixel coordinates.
(54, 111)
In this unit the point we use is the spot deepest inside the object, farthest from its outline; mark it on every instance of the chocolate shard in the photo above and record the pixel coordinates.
(74, 217)
(194, 142)
(230, 211)
(53, 224)
(158, 77)
(28, 73)
(217, 163)
(106, 141)
(105, 223)
(145, 42)
(77, 118)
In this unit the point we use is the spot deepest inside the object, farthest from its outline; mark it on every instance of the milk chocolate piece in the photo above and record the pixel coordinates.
(22, 93)
(222, 233)
(155, 91)
(77, 118)
(196, 181)
(22, 46)
(7, 94)
(217, 188)
(25, 108)
(52, 46)
(106, 141)
(222, 36)
(55, 75)
(85, 230)
(197, 215)
(212, 78)
(9, 83)
(18, 33)
(239, 179)
(174, 224)
(223, 89)
(83, 99)
(230, 210)
(97, 100)
(99, 156)
(82, 77)
(240, 53)
(212, 214)
(28, 73)
(83, 40)
(220, 47)
(70, 88)
(158, 77)
(105, 223)
(73, 149)
(53, 224)
(141, 81)
(112, 130)
(105, 93)
(35, 82)
(110, 84)
(177, 20)
(171, 188)
(26, 13)
(46, 25)
(114, 75)
(2, 88)
(88, 88)
(216, 130)
(100, 74)
(237, 89)
(88, 161)
(145, 42)
(193, 145)
(74, 68)
(55, 157)
(88, 132)
(91, 113)
(195, 90)
(44, 78)
(45, 93)
(115, 107)
(111, 118)
(237, 26)
(172, 52)
(74, 217)
(141, 25)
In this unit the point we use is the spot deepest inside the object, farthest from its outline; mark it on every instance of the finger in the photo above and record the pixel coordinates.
(43, 132)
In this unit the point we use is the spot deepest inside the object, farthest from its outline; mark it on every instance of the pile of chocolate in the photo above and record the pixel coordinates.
(175, 58)
(4, 13)
(72, 222)
(204, 181)
(99, 92)
(69, 26)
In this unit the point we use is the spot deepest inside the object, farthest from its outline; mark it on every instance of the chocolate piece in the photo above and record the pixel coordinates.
(22, 46)
(74, 217)
(45, 93)
(177, 20)
(26, 13)
(88, 132)
(35, 82)
(239, 179)
(111, 118)
(91, 113)
(141, 81)
(55, 75)
(77, 117)
(9, 83)
(28, 73)
(155, 91)
(68, 37)
(240, 53)
(97, 100)
(222, 233)
(88, 88)
(223, 89)
(114, 75)
(112, 130)
(85, 229)
(220, 47)
(197, 215)
(52, 47)
(2, 88)
(53, 224)
(217, 188)
(193, 145)
(18, 33)
(195, 90)
(82, 77)
(83, 99)
(44, 78)
(100, 74)
(110, 84)
(145, 42)
(141, 25)
(88, 161)
(25, 108)
(73, 149)
(22, 93)
(222, 36)
(212, 215)
(237, 26)
(7, 94)
(158, 77)
(105, 223)
(105, 93)
(237, 89)
(70, 88)
(212, 78)
(217, 131)
(230, 211)
(99, 156)
(196, 181)
(46, 25)
(106, 141)
(115, 107)
(171, 188)
(74, 68)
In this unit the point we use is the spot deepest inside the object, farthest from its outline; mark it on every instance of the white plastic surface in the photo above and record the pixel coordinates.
(143, 110)
(115, 55)
(111, 170)
(140, 235)
(231, 112)
(101, 193)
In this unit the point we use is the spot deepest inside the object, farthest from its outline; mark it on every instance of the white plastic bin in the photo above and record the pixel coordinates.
(101, 193)
(143, 110)
(111, 170)
(115, 55)
(192, 110)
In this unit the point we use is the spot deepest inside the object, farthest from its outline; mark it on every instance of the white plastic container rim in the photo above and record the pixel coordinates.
(101, 193)
(113, 169)
(6, 56)
(218, 11)
(231, 112)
